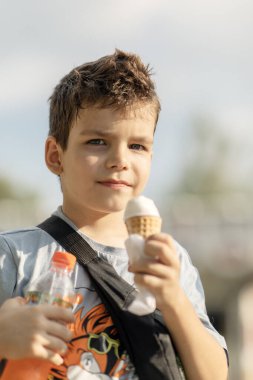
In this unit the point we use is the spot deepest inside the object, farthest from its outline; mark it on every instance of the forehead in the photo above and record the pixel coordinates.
(137, 116)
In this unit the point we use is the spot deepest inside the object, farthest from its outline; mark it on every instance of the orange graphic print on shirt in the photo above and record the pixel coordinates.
(94, 352)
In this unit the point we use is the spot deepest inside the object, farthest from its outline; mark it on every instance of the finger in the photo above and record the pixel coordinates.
(52, 343)
(20, 300)
(153, 268)
(47, 354)
(55, 344)
(161, 251)
(43, 344)
(162, 237)
(56, 313)
(150, 281)
(58, 330)
(54, 358)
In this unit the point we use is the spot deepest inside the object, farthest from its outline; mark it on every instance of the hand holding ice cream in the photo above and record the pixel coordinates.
(142, 220)
(153, 259)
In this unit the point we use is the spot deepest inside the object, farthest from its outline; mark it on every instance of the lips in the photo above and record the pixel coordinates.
(114, 183)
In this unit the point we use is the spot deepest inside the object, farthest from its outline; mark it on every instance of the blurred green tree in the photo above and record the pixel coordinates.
(12, 191)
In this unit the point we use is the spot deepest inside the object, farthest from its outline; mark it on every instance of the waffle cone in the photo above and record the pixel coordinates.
(144, 225)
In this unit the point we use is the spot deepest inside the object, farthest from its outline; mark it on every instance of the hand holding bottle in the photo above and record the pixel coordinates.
(33, 331)
(41, 323)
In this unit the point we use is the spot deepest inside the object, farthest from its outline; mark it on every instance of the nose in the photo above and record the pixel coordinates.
(118, 158)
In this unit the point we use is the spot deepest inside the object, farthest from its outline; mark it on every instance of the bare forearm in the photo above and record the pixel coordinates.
(201, 355)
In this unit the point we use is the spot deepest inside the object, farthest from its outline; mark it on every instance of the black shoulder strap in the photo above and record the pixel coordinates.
(145, 338)
(103, 272)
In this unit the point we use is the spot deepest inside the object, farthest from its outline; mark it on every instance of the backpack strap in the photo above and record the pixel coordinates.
(103, 272)
(145, 338)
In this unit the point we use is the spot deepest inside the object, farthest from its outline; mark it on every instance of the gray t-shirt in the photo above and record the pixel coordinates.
(96, 350)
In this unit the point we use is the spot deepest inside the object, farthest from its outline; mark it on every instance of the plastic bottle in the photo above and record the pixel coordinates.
(53, 287)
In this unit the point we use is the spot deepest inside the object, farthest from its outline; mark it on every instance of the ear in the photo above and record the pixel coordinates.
(53, 154)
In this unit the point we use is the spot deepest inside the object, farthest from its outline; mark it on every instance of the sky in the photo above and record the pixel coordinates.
(202, 57)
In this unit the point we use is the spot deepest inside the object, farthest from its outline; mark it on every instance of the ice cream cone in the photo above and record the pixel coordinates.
(143, 225)
(142, 217)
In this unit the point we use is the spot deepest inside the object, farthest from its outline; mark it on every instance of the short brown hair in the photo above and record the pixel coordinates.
(119, 80)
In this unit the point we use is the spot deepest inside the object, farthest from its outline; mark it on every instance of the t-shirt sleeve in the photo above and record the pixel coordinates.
(8, 270)
(192, 286)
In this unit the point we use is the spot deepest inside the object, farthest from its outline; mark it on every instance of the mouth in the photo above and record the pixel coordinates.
(114, 184)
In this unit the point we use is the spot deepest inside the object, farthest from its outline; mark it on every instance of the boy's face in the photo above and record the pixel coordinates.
(107, 160)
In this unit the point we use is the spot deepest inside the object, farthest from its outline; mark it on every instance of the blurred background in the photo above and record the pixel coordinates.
(202, 57)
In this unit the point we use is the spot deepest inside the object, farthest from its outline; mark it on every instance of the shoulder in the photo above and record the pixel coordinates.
(9, 239)
(182, 253)
(23, 240)
(189, 275)
(24, 255)
(19, 232)
(188, 270)
(20, 235)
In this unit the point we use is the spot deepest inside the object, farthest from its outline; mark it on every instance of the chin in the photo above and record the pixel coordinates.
(114, 205)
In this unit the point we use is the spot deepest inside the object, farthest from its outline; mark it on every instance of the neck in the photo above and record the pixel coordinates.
(105, 228)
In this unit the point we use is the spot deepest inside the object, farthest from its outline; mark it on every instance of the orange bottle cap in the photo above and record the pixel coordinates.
(65, 259)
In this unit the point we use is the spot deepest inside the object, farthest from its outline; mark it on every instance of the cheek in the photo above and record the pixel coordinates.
(143, 173)
(85, 165)
(92, 161)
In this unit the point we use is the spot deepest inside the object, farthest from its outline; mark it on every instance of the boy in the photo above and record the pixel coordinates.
(103, 116)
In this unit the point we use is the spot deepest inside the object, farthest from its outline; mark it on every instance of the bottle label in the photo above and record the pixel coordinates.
(33, 297)
(61, 302)
(36, 297)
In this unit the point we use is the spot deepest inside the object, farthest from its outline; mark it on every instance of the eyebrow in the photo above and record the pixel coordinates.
(98, 132)
(95, 132)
